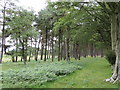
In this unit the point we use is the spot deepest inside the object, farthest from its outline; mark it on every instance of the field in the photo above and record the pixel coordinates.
(85, 73)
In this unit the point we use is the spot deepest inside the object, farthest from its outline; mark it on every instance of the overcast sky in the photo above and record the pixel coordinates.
(37, 5)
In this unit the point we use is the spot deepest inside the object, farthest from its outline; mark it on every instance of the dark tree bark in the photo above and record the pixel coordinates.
(42, 49)
(21, 58)
(13, 59)
(24, 56)
(48, 50)
(67, 50)
(38, 47)
(74, 50)
(59, 45)
(36, 50)
(16, 57)
(52, 41)
(30, 54)
(91, 50)
(64, 50)
(46, 35)
(79, 52)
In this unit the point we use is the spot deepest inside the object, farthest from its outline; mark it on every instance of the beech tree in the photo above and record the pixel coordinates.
(112, 8)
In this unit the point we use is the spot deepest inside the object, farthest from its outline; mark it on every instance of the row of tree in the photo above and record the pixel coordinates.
(63, 29)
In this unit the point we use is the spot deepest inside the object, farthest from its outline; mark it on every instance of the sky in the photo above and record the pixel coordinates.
(37, 5)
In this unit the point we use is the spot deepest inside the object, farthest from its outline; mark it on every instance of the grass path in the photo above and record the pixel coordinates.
(91, 76)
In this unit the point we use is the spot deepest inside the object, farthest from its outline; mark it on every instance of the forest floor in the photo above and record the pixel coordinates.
(92, 75)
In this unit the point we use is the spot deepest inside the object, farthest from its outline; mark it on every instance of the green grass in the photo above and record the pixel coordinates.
(16, 65)
(94, 71)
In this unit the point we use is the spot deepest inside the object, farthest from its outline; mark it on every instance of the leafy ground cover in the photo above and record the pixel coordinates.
(86, 73)
(36, 74)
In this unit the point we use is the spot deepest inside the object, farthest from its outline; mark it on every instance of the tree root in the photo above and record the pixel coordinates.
(112, 80)
(115, 81)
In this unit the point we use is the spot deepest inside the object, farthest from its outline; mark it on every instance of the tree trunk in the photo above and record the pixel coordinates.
(46, 44)
(13, 59)
(115, 36)
(85, 52)
(42, 49)
(30, 54)
(91, 50)
(21, 58)
(114, 43)
(23, 51)
(36, 50)
(118, 57)
(48, 50)
(64, 50)
(79, 52)
(29, 58)
(67, 50)
(102, 53)
(73, 51)
(26, 48)
(52, 47)
(113, 30)
(59, 46)
(3, 36)
(23, 54)
(94, 51)
(118, 51)
(38, 47)
(16, 58)
(49, 53)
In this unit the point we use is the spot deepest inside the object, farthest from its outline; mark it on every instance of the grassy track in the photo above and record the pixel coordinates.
(91, 76)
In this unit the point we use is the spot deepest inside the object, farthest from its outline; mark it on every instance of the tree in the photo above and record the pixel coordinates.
(5, 5)
(45, 21)
(21, 29)
(98, 24)
(113, 10)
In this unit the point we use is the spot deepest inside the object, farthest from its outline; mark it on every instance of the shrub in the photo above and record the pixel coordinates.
(111, 57)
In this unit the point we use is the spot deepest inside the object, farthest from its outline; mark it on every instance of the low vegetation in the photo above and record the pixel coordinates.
(111, 57)
(42, 72)
(85, 73)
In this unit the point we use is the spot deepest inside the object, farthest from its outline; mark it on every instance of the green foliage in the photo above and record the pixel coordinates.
(111, 57)
(21, 24)
(41, 73)
(21, 29)
(82, 25)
